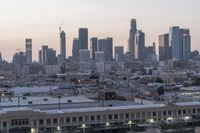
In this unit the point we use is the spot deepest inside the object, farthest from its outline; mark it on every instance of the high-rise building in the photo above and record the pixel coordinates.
(99, 56)
(62, 46)
(83, 38)
(47, 56)
(131, 41)
(28, 51)
(93, 46)
(84, 55)
(75, 48)
(180, 42)
(186, 46)
(164, 48)
(119, 53)
(140, 45)
(1, 58)
(19, 58)
(106, 45)
(150, 52)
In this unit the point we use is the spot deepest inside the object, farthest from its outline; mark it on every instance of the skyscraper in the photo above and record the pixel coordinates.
(119, 53)
(44, 54)
(140, 45)
(62, 46)
(28, 51)
(106, 45)
(164, 49)
(93, 46)
(83, 38)
(180, 42)
(0, 58)
(75, 48)
(174, 42)
(47, 56)
(84, 55)
(131, 41)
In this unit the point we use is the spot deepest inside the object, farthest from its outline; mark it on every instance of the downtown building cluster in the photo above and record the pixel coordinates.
(174, 45)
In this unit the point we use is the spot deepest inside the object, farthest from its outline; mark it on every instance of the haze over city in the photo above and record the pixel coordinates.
(40, 20)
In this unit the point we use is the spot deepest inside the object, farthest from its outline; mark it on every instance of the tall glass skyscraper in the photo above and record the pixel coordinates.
(83, 38)
(131, 41)
(28, 51)
(62, 46)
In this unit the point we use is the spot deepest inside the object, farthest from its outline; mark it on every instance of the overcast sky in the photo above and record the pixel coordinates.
(40, 20)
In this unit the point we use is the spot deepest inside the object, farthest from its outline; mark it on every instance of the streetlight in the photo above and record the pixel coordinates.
(59, 97)
(83, 127)
(130, 123)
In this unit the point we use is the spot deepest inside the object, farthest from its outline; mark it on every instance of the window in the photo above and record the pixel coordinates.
(55, 121)
(98, 117)
(127, 116)
(68, 120)
(74, 119)
(115, 116)
(48, 121)
(110, 117)
(92, 118)
(154, 114)
(184, 111)
(61, 120)
(169, 112)
(80, 118)
(4, 124)
(179, 112)
(18, 122)
(164, 113)
(41, 122)
(194, 111)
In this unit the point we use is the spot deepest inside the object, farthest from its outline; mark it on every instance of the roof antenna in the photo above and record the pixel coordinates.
(60, 27)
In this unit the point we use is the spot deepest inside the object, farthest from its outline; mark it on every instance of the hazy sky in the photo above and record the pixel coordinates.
(40, 19)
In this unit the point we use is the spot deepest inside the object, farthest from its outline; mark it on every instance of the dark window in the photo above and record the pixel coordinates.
(154, 114)
(110, 117)
(184, 111)
(67, 119)
(4, 124)
(74, 119)
(115, 116)
(55, 121)
(80, 119)
(41, 122)
(98, 117)
(48, 121)
(194, 111)
(169, 112)
(164, 113)
(179, 112)
(92, 118)
(127, 116)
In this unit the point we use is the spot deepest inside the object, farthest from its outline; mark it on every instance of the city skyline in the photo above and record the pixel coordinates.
(16, 26)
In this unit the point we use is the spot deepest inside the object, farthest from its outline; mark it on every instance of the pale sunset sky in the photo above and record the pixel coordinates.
(40, 20)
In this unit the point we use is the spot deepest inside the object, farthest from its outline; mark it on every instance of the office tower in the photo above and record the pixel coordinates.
(180, 42)
(174, 42)
(150, 52)
(75, 48)
(19, 58)
(44, 54)
(28, 51)
(119, 53)
(186, 46)
(84, 55)
(0, 57)
(51, 57)
(140, 45)
(62, 46)
(131, 41)
(47, 56)
(164, 49)
(106, 45)
(83, 38)
(40, 56)
(93, 46)
(99, 56)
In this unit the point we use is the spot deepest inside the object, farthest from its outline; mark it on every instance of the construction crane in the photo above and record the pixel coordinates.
(60, 27)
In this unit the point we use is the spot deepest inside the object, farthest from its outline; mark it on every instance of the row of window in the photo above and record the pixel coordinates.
(19, 122)
(132, 116)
